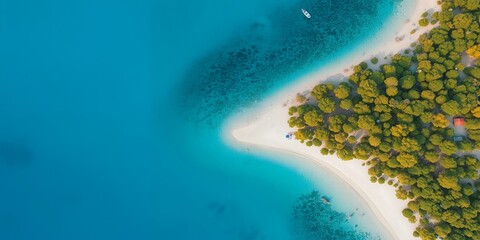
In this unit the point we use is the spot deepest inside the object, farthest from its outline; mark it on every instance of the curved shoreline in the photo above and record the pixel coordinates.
(265, 126)
(336, 172)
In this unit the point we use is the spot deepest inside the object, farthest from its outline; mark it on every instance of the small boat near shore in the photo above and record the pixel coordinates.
(307, 15)
(325, 200)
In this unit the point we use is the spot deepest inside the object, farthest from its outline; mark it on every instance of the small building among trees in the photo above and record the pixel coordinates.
(459, 128)
(458, 121)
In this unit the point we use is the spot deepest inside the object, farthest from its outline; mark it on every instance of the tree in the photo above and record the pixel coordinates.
(438, 38)
(392, 91)
(448, 180)
(413, 94)
(303, 134)
(391, 82)
(472, 123)
(402, 113)
(406, 160)
(327, 104)
(474, 51)
(446, 47)
(468, 189)
(472, 71)
(439, 120)
(401, 194)
(415, 108)
(424, 66)
(426, 233)
(436, 85)
(423, 22)
(348, 127)
(407, 82)
(324, 151)
(464, 202)
(385, 147)
(321, 134)
(474, 135)
(384, 117)
(342, 91)
(341, 137)
(400, 130)
(368, 88)
(335, 122)
(345, 154)
(460, 45)
(362, 151)
(389, 70)
(458, 34)
(472, 5)
(451, 108)
(476, 112)
(442, 229)
(407, 212)
(321, 90)
(451, 84)
(366, 122)
(300, 98)
(462, 20)
(431, 156)
(346, 104)
(448, 147)
(378, 77)
(312, 118)
(410, 145)
(382, 108)
(441, 99)
(292, 110)
(361, 108)
(374, 140)
(428, 95)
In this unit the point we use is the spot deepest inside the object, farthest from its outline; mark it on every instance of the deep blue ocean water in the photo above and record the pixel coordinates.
(111, 115)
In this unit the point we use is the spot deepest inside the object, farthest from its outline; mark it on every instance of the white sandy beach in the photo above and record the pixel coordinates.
(266, 125)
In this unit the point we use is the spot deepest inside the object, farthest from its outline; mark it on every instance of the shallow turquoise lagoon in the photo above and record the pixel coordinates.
(111, 115)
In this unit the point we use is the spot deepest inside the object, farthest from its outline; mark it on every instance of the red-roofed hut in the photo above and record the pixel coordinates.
(458, 121)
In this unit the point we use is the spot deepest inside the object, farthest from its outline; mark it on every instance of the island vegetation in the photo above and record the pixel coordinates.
(398, 119)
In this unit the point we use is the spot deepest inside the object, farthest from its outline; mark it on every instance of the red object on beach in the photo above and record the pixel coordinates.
(458, 121)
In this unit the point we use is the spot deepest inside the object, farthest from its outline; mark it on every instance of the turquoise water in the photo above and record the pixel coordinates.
(111, 115)
(275, 45)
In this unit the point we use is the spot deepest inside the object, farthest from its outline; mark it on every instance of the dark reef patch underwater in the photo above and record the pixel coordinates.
(262, 57)
(313, 219)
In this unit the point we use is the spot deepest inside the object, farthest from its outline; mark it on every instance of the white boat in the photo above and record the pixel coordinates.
(306, 13)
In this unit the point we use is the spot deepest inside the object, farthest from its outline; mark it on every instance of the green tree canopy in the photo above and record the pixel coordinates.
(439, 120)
(451, 108)
(406, 160)
(366, 122)
(407, 82)
(442, 229)
(342, 91)
(448, 147)
(448, 180)
(327, 104)
(322, 90)
(462, 20)
(368, 88)
(313, 118)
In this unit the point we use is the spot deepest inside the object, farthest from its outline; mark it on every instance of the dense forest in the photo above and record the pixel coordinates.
(399, 121)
